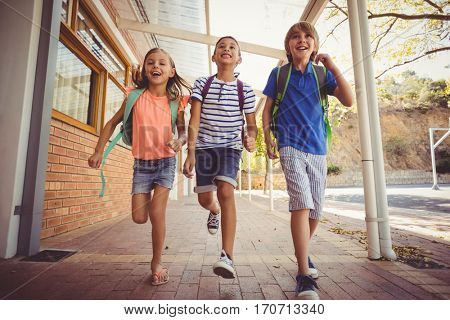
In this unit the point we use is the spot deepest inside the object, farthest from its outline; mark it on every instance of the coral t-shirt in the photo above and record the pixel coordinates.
(152, 126)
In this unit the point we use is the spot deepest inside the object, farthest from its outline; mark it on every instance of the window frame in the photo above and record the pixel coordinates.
(70, 38)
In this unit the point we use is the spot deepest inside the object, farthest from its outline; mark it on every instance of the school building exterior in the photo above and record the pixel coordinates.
(65, 67)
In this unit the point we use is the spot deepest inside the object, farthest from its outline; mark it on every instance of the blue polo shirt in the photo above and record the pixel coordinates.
(300, 120)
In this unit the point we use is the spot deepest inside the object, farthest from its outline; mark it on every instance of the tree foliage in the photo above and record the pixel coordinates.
(408, 91)
(401, 31)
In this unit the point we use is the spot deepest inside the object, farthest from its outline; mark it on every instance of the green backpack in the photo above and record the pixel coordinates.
(283, 76)
(126, 131)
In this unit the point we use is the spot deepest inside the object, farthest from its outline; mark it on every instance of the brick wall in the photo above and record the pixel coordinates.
(71, 187)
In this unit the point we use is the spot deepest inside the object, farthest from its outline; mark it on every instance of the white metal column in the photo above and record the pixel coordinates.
(384, 229)
(433, 146)
(364, 134)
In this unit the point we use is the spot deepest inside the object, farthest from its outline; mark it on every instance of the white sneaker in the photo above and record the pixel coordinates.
(305, 288)
(312, 269)
(213, 223)
(314, 273)
(224, 267)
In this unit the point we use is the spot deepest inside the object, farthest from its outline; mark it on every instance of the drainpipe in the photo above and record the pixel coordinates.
(249, 176)
(364, 134)
(270, 172)
(377, 148)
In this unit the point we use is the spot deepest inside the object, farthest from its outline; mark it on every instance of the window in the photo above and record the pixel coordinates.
(88, 64)
(75, 86)
(64, 11)
(91, 36)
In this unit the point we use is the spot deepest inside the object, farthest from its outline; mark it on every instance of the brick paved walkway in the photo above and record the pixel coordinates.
(113, 260)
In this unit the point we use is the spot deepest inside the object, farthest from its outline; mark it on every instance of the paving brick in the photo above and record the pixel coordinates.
(273, 292)
(113, 259)
(230, 292)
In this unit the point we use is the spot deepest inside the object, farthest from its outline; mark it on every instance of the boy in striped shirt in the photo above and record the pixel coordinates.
(215, 139)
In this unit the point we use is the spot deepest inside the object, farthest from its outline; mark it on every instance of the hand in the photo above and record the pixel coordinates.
(326, 60)
(271, 147)
(189, 166)
(249, 143)
(95, 160)
(175, 144)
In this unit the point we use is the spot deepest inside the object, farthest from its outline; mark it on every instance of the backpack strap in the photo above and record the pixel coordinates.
(283, 77)
(131, 100)
(206, 87)
(320, 74)
(240, 90)
(174, 104)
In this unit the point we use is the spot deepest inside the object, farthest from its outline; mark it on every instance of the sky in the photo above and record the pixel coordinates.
(265, 22)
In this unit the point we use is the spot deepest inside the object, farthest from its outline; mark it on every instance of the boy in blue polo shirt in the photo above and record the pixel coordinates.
(301, 135)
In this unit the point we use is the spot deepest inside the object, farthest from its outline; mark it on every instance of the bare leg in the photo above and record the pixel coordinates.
(140, 204)
(225, 194)
(300, 235)
(313, 223)
(207, 201)
(157, 214)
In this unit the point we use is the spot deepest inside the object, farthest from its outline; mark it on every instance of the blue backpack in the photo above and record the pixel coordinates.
(126, 130)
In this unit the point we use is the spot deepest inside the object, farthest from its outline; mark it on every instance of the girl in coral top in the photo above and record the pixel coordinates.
(153, 146)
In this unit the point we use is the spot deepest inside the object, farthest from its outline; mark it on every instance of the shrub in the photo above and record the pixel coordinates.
(333, 169)
(443, 165)
(396, 146)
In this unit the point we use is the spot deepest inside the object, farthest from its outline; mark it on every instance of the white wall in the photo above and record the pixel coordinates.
(19, 35)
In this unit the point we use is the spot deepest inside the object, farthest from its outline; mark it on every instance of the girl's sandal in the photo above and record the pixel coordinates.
(161, 277)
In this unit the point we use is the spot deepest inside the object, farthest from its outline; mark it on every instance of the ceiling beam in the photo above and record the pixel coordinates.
(313, 10)
(195, 37)
(208, 32)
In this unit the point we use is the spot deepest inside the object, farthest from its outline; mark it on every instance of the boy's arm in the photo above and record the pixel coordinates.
(252, 132)
(194, 124)
(343, 91)
(267, 118)
(95, 159)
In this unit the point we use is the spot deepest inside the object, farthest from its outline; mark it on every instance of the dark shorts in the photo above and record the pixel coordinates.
(148, 173)
(216, 164)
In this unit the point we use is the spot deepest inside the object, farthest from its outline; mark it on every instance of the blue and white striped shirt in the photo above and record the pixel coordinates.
(221, 118)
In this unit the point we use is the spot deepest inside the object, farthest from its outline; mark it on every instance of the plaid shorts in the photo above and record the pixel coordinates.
(306, 176)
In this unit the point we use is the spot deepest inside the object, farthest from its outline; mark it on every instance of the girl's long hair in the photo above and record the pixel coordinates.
(175, 85)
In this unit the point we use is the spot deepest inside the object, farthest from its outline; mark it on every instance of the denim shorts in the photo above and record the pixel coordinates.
(306, 176)
(216, 164)
(148, 173)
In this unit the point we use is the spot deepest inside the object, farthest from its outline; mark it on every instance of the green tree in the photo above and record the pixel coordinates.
(401, 31)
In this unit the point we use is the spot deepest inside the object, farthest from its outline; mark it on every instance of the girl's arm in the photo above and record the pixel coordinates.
(267, 117)
(343, 91)
(252, 132)
(176, 144)
(95, 159)
(194, 124)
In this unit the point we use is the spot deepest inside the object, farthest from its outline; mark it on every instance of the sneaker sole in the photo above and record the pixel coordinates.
(314, 273)
(212, 231)
(223, 271)
(308, 295)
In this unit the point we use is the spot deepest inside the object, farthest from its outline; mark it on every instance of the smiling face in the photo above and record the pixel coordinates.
(227, 52)
(158, 68)
(301, 42)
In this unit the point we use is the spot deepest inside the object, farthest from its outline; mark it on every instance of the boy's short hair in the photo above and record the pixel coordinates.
(307, 28)
(227, 37)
